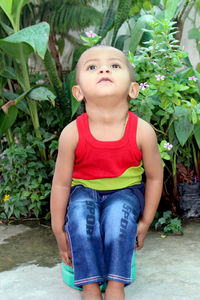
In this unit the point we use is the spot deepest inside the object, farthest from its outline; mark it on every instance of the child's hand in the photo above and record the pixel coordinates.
(64, 248)
(141, 234)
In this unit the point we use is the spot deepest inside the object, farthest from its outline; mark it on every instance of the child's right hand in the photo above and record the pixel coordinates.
(64, 248)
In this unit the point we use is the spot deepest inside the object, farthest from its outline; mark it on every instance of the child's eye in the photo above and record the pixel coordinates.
(115, 66)
(92, 67)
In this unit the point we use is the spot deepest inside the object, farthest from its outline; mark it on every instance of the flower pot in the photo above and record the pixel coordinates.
(190, 199)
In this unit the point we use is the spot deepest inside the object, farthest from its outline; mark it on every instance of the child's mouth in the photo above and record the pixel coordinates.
(104, 79)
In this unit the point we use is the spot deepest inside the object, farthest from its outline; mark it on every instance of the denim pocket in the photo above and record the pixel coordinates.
(73, 189)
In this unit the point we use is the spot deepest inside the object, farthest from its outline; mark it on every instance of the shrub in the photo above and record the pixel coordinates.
(24, 180)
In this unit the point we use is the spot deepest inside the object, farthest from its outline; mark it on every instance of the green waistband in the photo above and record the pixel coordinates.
(130, 177)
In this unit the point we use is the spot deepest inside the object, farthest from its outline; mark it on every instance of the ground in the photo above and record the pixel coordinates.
(30, 268)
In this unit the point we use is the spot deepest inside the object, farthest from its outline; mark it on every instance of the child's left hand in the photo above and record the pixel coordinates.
(142, 229)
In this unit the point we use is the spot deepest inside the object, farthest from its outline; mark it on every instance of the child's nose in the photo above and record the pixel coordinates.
(104, 69)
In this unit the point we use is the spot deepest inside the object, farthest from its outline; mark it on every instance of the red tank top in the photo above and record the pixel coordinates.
(107, 165)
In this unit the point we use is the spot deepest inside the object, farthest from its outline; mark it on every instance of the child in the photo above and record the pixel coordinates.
(98, 177)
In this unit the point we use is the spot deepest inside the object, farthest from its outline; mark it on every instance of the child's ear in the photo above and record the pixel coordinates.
(77, 93)
(134, 90)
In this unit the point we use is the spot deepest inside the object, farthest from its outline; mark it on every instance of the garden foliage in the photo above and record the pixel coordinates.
(169, 94)
(35, 107)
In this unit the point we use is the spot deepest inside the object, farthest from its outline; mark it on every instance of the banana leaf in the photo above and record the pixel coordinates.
(26, 41)
(12, 9)
(137, 32)
(7, 120)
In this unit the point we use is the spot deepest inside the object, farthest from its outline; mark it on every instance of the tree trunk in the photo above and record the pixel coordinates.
(55, 54)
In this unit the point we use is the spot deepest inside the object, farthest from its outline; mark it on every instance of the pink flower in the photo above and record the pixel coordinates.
(90, 34)
(192, 78)
(160, 77)
(153, 63)
(144, 86)
(168, 146)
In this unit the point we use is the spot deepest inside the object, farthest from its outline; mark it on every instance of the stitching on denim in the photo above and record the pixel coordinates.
(88, 279)
(75, 188)
(117, 277)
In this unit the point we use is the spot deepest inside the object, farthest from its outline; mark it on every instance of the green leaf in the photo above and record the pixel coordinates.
(197, 134)
(22, 96)
(7, 120)
(181, 87)
(194, 117)
(167, 214)
(18, 98)
(134, 9)
(36, 211)
(183, 127)
(9, 73)
(120, 41)
(6, 5)
(84, 38)
(121, 16)
(61, 45)
(193, 102)
(26, 193)
(22, 105)
(162, 144)
(12, 9)
(166, 156)
(107, 23)
(171, 134)
(7, 28)
(162, 221)
(17, 6)
(171, 7)
(177, 101)
(137, 32)
(42, 94)
(147, 5)
(2, 63)
(155, 2)
(16, 213)
(26, 41)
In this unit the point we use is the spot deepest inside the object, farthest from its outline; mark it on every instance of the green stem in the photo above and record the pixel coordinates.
(24, 69)
(9, 137)
(198, 163)
(175, 191)
(195, 160)
(31, 104)
(10, 85)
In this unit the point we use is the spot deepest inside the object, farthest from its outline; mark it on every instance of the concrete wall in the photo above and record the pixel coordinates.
(188, 44)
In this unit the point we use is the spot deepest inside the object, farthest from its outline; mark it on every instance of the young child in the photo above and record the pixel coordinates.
(98, 177)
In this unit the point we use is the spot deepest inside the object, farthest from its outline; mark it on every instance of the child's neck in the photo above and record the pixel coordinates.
(107, 125)
(107, 114)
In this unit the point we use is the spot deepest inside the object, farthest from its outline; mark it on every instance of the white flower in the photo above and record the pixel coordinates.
(168, 146)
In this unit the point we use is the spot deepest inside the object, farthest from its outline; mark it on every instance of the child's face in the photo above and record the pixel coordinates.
(103, 72)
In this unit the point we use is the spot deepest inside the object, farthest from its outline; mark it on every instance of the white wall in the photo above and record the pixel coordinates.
(190, 45)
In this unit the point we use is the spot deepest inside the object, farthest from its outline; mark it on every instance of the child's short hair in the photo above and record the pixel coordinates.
(130, 67)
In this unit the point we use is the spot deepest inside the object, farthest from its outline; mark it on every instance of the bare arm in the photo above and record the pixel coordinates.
(154, 178)
(61, 187)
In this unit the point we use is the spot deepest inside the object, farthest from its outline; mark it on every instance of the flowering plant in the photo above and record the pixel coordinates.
(90, 39)
(163, 147)
(169, 98)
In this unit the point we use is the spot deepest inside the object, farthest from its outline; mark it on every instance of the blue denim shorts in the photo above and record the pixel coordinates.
(101, 227)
